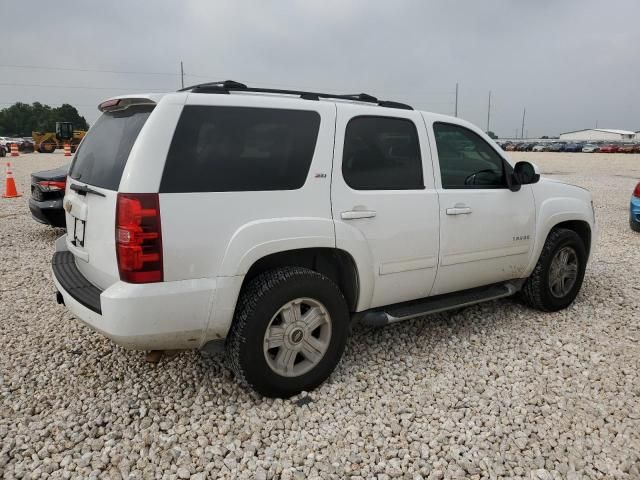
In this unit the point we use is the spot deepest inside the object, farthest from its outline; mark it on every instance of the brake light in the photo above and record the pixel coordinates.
(53, 186)
(107, 104)
(139, 237)
(636, 191)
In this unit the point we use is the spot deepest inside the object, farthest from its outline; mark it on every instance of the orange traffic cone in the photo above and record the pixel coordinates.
(67, 150)
(10, 190)
(14, 150)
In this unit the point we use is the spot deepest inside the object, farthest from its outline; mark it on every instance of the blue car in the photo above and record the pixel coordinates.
(634, 209)
(573, 147)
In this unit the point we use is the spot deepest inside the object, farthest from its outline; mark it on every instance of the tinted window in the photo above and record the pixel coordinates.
(222, 149)
(103, 153)
(382, 153)
(466, 160)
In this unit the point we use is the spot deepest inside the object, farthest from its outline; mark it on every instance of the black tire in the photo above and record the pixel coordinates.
(47, 147)
(536, 291)
(635, 226)
(259, 301)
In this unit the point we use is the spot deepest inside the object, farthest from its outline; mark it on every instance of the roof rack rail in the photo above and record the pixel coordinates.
(226, 86)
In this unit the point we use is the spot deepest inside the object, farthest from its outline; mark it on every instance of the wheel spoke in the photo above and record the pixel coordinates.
(571, 271)
(312, 349)
(313, 319)
(285, 358)
(291, 313)
(564, 257)
(274, 337)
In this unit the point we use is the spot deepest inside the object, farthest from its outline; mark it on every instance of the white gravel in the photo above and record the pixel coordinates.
(492, 391)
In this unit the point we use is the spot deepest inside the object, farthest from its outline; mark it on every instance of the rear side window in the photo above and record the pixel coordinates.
(225, 149)
(382, 153)
(103, 154)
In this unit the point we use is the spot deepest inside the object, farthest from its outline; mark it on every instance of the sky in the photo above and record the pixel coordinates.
(571, 63)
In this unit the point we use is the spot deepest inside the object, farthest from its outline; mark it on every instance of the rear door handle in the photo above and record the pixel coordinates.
(355, 214)
(459, 209)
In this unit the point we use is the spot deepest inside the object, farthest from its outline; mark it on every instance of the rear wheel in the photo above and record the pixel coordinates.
(557, 277)
(289, 331)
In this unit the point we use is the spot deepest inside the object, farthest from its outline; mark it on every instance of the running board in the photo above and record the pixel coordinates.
(425, 306)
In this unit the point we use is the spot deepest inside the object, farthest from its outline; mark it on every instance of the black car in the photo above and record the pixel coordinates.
(3, 151)
(47, 193)
(27, 145)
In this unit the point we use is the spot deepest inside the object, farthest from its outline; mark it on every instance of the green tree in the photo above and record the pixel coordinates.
(21, 119)
(492, 135)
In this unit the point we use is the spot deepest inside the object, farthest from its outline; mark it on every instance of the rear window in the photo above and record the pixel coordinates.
(103, 154)
(224, 149)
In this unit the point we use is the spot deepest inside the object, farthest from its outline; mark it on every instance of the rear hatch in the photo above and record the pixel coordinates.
(92, 189)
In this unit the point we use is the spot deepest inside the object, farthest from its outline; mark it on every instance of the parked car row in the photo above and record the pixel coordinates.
(584, 147)
(25, 144)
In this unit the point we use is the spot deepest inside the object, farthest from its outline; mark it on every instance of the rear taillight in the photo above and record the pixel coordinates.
(52, 186)
(139, 237)
(636, 191)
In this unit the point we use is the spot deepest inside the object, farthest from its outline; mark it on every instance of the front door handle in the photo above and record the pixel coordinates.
(459, 209)
(355, 214)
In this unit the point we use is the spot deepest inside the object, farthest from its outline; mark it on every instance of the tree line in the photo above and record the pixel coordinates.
(20, 119)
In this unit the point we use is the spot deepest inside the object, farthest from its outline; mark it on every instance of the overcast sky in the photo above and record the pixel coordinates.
(570, 63)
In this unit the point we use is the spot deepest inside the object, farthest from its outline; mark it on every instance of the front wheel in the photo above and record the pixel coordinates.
(289, 331)
(557, 277)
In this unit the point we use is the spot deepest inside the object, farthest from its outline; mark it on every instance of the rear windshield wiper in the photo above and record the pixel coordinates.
(83, 190)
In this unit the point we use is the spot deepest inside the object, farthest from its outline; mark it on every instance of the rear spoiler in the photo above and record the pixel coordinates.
(122, 103)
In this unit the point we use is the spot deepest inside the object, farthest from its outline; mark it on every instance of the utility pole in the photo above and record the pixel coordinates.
(516, 133)
(456, 113)
(522, 131)
(596, 123)
(181, 74)
(489, 111)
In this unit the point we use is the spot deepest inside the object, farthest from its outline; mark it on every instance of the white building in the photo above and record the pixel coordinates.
(599, 134)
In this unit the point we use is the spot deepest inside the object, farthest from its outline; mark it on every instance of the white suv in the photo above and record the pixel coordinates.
(269, 221)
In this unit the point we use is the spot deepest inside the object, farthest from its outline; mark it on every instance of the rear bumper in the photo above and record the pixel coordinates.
(153, 316)
(49, 212)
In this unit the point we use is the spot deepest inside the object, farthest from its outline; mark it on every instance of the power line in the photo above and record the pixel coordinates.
(71, 69)
(85, 87)
(207, 76)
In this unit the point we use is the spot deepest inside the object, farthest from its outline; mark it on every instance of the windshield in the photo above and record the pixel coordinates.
(103, 153)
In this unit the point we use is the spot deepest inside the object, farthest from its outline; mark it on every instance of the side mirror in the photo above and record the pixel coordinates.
(525, 173)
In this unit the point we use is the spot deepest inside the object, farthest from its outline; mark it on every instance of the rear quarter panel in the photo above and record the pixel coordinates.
(221, 234)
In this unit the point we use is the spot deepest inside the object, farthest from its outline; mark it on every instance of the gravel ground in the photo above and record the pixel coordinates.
(492, 391)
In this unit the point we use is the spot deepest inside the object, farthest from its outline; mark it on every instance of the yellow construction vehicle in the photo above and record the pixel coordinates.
(47, 142)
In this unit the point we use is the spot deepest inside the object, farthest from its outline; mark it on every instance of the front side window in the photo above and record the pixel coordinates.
(382, 153)
(466, 160)
(227, 149)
